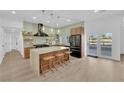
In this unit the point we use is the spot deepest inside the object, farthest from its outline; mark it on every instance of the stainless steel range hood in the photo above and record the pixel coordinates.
(40, 31)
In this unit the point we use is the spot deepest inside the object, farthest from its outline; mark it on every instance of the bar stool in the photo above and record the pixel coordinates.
(54, 63)
(60, 59)
(67, 56)
(47, 64)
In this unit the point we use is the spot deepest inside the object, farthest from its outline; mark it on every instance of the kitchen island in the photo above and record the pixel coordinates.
(36, 55)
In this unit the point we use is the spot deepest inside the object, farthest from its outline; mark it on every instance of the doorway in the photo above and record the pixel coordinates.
(100, 45)
(14, 40)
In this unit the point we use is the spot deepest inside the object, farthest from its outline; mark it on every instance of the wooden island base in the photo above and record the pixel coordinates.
(45, 59)
(53, 59)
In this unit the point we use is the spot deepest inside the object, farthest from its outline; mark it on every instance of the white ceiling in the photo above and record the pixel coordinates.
(75, 16)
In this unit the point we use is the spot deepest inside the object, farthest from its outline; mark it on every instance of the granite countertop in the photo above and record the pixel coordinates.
(48, 49)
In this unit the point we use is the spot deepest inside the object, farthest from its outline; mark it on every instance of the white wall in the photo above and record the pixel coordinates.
(30, 27)
(33, 28)
(108, 24)
(65, 32)
(122, 38)
(122, 41)
(1, 44)
(7, 41)
(11, 23)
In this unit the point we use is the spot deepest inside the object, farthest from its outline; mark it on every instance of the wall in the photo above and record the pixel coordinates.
(33, 28)
(30, 27)
(1, 44)
(11, 23)
(122, 41)
(122, 38)
(7, 41)
(65, 32)
(108, 24)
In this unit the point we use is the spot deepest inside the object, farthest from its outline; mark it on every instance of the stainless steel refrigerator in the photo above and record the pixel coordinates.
(75, 45)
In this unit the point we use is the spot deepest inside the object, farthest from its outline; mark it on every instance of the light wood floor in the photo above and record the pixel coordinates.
(15, 68)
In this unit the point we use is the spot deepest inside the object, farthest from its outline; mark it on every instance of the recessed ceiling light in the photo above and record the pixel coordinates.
(95, 11)
(34, 17)
(48, 21)
(68, 20)
(13, 12)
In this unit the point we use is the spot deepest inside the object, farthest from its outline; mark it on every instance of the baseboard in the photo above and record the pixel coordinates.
(92, 56)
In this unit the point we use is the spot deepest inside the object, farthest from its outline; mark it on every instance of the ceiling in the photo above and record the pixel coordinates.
(56, 18)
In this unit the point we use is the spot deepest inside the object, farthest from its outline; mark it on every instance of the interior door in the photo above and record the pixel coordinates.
(14, 40)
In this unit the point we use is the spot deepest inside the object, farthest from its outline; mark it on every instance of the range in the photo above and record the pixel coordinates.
(41, 45)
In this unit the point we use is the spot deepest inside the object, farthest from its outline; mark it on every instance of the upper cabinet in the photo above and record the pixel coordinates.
(78, 30)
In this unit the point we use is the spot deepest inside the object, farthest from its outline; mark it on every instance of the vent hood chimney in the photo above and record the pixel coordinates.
(40, 31)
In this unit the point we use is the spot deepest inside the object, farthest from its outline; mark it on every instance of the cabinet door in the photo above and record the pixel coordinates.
(27, 52)
(82, 30)
(73, 31)
(78, 30)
